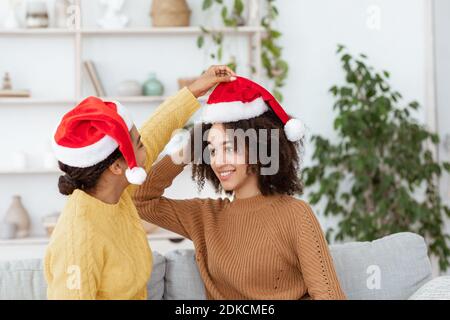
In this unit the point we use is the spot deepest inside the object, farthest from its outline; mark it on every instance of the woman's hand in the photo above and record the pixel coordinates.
(210, 78)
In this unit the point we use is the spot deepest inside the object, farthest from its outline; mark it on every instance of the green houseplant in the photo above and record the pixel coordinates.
(276, 68)
(380, 177)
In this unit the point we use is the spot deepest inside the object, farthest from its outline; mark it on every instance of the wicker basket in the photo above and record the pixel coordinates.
(170, 13)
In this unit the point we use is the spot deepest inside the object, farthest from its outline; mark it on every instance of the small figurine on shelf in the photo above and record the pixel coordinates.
(7, 90)
(153, 87)
(7, 85)
(113, 18)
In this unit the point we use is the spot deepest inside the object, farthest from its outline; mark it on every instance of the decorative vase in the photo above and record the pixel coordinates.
(50, 161)
(170, 13)
(37, 14)
(18, 215)
(61, 18)
(11, 21)
(19, 160)
(129, 88)
(153, 87)
(49, 222)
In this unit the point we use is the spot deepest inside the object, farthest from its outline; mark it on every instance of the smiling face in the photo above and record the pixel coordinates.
(227, 162)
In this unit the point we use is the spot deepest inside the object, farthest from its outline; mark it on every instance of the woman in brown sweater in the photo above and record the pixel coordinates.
(265, 244)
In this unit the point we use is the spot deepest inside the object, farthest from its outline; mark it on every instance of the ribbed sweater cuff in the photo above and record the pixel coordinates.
(167, 168)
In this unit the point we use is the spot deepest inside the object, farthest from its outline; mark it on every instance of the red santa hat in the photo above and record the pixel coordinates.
(244, 99)
(91, 132)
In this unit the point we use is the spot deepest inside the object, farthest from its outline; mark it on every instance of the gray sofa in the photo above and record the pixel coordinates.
(393, 267)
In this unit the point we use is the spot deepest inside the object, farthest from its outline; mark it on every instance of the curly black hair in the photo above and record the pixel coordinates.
(285, 182)
(84, 178)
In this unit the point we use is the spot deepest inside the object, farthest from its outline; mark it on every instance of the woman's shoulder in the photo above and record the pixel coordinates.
(80, 216)
(292, 204)
(294, 211)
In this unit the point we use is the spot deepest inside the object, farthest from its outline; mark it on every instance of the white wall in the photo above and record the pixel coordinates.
(311, 31)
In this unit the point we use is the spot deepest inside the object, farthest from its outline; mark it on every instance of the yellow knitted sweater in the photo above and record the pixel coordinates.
(98, 250)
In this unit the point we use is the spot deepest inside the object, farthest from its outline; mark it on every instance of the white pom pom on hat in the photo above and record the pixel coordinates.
(244, 99)
(295, 130)
(136, 175)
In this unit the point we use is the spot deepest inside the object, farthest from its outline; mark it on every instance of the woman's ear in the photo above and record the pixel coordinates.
(118, 167)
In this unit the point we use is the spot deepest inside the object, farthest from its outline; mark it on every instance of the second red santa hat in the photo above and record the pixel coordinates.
(244, 99)
(91, 132)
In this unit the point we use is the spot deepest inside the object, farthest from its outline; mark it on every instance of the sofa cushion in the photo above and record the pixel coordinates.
(155, 287)
(183, 281)
(24, 279)
(436, 289)
(393, 267)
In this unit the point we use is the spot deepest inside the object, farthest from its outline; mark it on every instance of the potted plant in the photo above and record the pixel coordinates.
(380, 177)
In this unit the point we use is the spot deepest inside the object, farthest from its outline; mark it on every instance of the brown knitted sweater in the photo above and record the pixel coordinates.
(258, 248)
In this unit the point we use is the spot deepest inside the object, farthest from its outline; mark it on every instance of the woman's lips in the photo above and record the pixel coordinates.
(225, 175)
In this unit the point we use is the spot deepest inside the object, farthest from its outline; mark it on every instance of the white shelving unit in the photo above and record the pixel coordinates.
(78, 34)
(79, 38)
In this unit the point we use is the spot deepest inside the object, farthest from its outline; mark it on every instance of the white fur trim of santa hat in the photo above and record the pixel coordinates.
(124, 113)
(233, 111)
(88, 156)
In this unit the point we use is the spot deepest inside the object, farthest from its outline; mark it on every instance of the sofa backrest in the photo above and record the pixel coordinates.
(393, 267)
(24, 279)
(390, 268)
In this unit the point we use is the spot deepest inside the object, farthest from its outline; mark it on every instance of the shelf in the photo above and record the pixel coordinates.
(39, 101)
(37, 32)
(139, 99)
(168, 30)
(34, 101)
(28, 172)
(158, 235)
(127, 31)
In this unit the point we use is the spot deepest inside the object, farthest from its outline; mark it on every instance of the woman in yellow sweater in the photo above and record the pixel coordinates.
(265, 244)
(99, 249)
